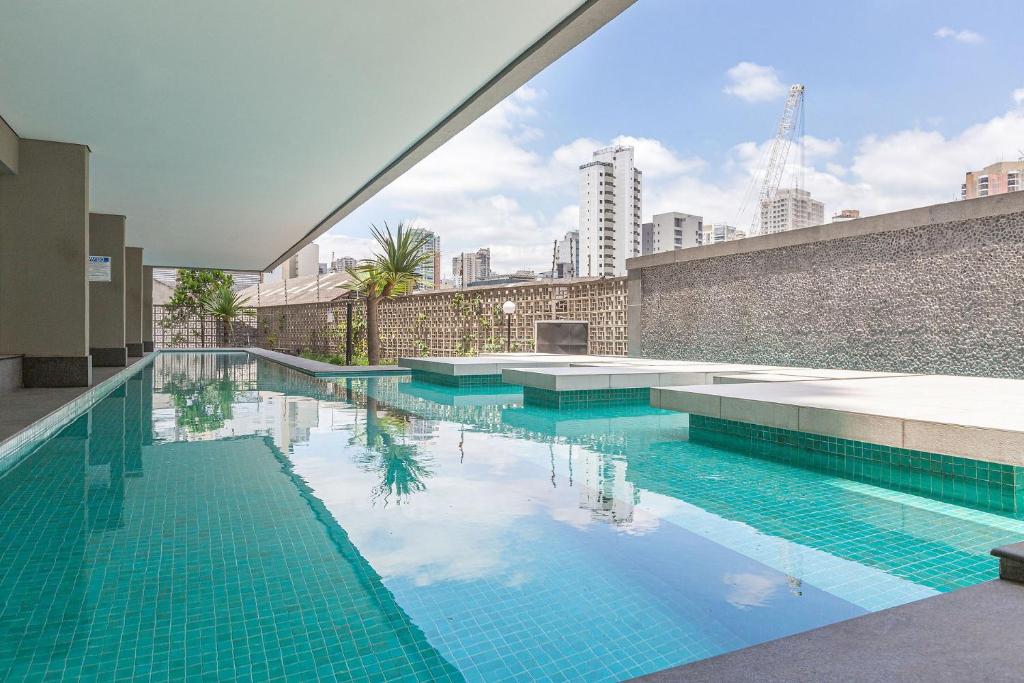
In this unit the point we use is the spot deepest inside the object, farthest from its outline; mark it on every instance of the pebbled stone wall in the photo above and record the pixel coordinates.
(943, 298)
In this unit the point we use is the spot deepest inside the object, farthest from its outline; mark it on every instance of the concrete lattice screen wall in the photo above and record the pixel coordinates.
(450, 322)
(935, 290)
(197, 332)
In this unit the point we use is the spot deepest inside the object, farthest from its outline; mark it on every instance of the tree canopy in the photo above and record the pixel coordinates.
(196, 286)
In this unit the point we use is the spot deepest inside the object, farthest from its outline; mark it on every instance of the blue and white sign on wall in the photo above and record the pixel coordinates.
(99, 269)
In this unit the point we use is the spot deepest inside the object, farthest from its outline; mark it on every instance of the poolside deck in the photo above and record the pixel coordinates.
(317, 368)
(492, 364)
(972, 634)
(578, 377)
(23, 407)
(971, 417)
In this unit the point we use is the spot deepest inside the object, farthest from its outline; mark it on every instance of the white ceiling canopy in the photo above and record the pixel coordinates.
(232, 132)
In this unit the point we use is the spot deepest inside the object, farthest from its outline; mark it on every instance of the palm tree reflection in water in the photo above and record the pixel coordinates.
(203, 394)
(402, 468)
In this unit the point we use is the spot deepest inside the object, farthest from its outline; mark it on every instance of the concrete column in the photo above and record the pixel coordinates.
(133, 300)
(147, 308)
(106, 299)
(44, 248)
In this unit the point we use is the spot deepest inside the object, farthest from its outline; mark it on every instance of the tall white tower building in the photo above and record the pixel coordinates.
(609, 212)
(790, 209)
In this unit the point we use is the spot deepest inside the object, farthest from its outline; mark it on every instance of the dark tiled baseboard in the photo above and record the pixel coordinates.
(56, 371)
(148, 346)
(964, 480)
(134, 349)
(457, 380)
(584, 398)
(109, 357)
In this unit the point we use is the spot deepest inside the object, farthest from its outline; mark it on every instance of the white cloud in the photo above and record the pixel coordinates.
(489, 187)
(961, 36)
(654, 158)
(484, 187)
(902, 170)
(754, 82)
(751, 590)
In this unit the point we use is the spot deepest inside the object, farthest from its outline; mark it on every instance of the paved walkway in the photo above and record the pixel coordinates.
(973, 634)
(320, 369)
(22, 407)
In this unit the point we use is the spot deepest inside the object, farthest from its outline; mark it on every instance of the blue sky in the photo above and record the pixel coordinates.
(902, 98)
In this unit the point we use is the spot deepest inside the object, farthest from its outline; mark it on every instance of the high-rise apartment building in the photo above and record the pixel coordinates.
(672, 230)
(790, 209)
(1005, 176)
(610, 208)
(471, 266)
(305, 262)
(567, 255)
(341, 265)
(430, 271)
(722, 232)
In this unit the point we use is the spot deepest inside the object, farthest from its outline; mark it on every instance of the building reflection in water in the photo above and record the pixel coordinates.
(604, 489)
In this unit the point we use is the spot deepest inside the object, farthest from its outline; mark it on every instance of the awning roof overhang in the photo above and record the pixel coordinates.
(231, 133)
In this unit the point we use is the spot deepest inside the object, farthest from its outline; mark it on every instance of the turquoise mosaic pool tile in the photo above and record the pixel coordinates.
(832, 528)
(584, 398)
(974, 482)
(457, 380)
(189, 560)
(217, 518)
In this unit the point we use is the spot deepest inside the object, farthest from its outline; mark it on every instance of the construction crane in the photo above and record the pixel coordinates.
(791, 123)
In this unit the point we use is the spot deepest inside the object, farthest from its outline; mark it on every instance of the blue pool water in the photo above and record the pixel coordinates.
(222, 517)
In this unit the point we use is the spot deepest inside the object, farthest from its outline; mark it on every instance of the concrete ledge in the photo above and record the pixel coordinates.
(488, 364)
(1011, 562)
(597, 375)
(56, 371)
(113, 357)
(972, 634)
(317, 368)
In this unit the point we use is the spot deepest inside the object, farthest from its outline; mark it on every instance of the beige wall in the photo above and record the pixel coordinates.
(44, 242)
(106, 299)
(133, 295)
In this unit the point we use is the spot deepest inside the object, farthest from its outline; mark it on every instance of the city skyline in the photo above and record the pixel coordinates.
(509, 182)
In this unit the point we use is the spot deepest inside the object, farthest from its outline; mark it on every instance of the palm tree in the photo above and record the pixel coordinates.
(226, 306)
(392, 271)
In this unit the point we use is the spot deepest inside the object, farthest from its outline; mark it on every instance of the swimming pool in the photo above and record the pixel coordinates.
(220, 515)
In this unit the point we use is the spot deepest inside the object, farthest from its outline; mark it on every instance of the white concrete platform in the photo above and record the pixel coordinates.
(798, 375)
(618, 376)
(487, 365)
(973, 417)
